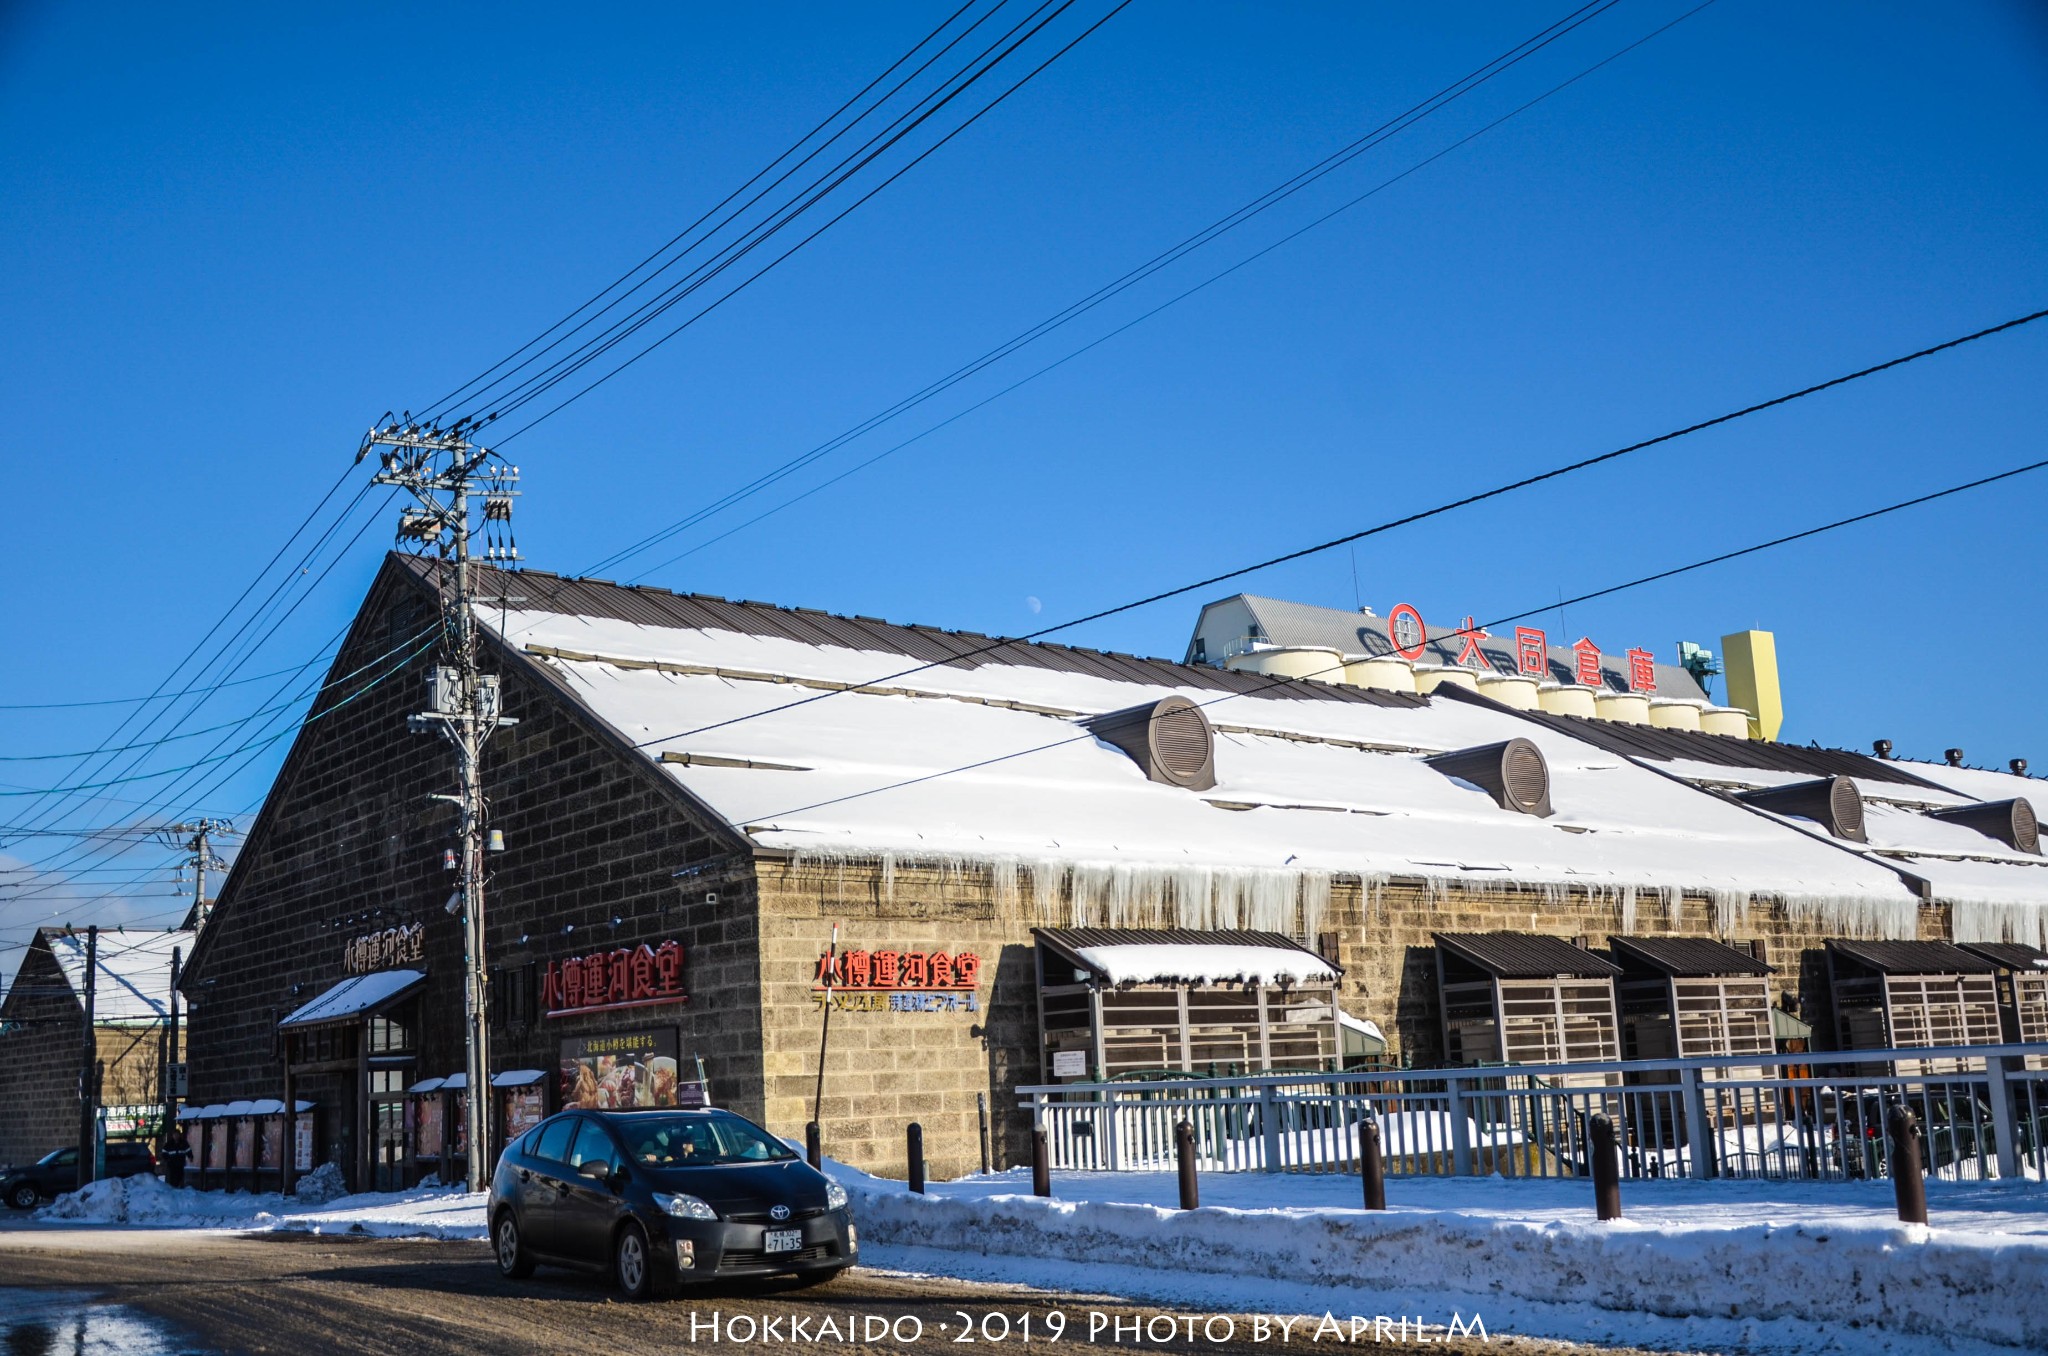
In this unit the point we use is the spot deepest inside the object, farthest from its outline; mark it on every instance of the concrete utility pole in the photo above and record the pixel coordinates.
(171, 1058)
(88, 1066)
(444, 472)
(194, 838)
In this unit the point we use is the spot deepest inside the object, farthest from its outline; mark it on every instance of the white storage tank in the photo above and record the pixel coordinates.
(1629, 708)
(1732, 721)
(1566, 699)
(1674, 713)
(1291, 661)
(1387, 672)
(1430, 677)
(1511, 689)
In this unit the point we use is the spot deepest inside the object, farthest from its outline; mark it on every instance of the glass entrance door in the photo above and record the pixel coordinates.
(388, 1149)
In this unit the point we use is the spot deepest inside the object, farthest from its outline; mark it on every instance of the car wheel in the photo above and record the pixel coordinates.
(513, 1260)
(23, 1197)
(632, 1268)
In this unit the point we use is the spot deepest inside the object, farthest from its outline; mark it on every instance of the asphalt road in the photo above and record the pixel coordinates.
(154, 1292)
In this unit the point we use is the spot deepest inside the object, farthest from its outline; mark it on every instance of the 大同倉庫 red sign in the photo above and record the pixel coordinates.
(884, 970)
(630, 977)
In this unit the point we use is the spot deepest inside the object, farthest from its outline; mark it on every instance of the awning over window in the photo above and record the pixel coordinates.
(517, 1078)
(424, 1086)
(1361, 1037)
(353, 998)
(1121, 956)
(1786, 1027)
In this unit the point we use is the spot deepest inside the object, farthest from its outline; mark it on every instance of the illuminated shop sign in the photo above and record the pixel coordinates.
(898, 981)
(381, 950)
(630, 977)
(1409, 634)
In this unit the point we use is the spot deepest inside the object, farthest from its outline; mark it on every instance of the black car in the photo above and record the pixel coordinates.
(56, 1172)
(662, 1197)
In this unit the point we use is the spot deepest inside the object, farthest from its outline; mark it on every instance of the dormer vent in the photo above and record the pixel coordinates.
(1512, 772)
(1832, 801)
(1169, 738)
(2011, 822)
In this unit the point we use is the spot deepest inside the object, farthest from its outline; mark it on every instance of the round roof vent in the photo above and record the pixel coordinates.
(1832, 802)
(1513, 772)
(1170, 739)
(2011, 822)
(1845, 807)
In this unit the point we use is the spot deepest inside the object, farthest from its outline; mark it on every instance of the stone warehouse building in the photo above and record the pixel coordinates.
(698, 791)
(42, 1037)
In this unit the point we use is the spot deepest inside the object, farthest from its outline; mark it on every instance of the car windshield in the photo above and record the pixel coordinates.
(56, 1156)
(698, 1141)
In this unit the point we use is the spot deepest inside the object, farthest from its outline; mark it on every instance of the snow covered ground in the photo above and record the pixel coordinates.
(1784, 1267)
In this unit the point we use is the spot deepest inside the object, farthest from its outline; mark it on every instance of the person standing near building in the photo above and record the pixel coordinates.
(172, 1153)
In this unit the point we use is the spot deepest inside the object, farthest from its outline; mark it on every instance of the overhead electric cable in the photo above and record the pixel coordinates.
(1208, 234)
(1405, 520)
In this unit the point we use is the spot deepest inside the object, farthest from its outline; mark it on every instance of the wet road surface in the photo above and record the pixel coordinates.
(152, 1292)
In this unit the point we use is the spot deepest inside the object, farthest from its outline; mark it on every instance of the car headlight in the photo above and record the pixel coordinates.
(835, 1196)
(683, 1206)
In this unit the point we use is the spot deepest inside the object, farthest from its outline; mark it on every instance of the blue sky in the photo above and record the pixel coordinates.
(236, 235)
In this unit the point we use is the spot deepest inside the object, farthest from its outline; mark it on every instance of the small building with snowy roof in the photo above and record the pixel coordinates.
(42, 1036)
(699, 791)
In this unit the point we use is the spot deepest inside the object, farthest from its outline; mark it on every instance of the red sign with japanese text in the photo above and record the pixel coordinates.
(1409, 635)
(629, 977)
(875, 971)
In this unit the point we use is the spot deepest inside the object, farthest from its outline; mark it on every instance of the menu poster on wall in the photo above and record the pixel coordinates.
(625, 1069)
(302, 1156)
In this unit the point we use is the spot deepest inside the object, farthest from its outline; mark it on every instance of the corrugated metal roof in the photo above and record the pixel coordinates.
(133, 983)
(1287, 623)
(1071, 939)
(2009, 955)
(1685, 957)
(543, 592)
(1526, 955)
(1647, 741)
(1911, 958)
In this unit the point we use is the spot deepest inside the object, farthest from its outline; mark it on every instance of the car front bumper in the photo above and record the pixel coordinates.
(703, 1250)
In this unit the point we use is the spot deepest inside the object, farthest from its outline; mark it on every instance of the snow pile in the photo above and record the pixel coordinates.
(1724, 1267)
(419, 1213)
(1151, 963)
(321, 1185)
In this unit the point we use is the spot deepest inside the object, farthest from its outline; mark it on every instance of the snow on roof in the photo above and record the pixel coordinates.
(354, 997)
(1186, 963)
(1979, 783)
(134, 972)
(517, 1078)
(1304, 787)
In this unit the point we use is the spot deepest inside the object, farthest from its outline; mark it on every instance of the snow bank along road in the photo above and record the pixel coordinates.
(1787, 1267)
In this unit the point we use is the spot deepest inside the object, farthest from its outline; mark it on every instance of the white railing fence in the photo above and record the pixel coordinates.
(1983, 1113)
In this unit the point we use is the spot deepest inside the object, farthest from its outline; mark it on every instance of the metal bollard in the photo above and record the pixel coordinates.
(814, 1151)
(1184, 1152)
(1908, 1186)
(1606, 1169)
(1041, 1165)
(981, 1115)
(914, 1146)
(1372, 1169)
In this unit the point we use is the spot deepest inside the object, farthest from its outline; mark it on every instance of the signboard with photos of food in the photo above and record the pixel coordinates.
(623, 1069)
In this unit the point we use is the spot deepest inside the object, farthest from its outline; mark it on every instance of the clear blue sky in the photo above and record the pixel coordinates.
(234, 235)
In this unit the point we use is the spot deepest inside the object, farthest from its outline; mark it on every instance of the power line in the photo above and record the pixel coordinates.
(163, 696)
(1403, 521)
(1208, 234)
(1274, 680)
(833, 221)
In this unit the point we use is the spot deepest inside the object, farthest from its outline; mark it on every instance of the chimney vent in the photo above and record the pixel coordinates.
(2011, 822)
(2018, 766)
(1954, 757)
(1833, 801)
(1882, 748)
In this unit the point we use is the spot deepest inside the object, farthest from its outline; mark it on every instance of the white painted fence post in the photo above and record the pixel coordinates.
(1699, 1138)
(2005, 1126)
(1461, 1129)
(1115, 1156)
(1269, 1126)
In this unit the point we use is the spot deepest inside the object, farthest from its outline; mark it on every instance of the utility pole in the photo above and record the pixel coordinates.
(88, 1066)
(444, 472)
(194, 838)
(172, 1059)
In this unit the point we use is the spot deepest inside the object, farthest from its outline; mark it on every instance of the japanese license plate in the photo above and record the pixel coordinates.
(782, 1240)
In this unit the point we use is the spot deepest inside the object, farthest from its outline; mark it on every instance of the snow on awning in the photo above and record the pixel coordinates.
(517, 1078)
(266, 1106)
(1362, 1027)
(424, 1086)
(240, 1108)
(455, 1082)
(355, 997)
(1205, 963)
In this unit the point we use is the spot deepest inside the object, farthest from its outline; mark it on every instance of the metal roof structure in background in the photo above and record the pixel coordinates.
(1911, 958)
(133, 981)
(2009, 955)
(1353, 633)
(642, 605)
(1526, 955)
(1686, 957)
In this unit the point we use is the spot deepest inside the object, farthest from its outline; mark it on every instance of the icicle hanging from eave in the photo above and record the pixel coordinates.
(1977, 920)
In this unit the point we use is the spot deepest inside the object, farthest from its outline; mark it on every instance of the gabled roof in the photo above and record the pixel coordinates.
(1911, 958)
(823, 737)
(1526, 955)
(133, 982)
(1685, 957)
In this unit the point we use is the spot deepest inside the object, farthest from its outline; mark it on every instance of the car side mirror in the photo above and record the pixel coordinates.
(595, 1171)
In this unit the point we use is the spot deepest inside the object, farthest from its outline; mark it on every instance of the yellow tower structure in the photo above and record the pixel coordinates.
(1749, 659)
